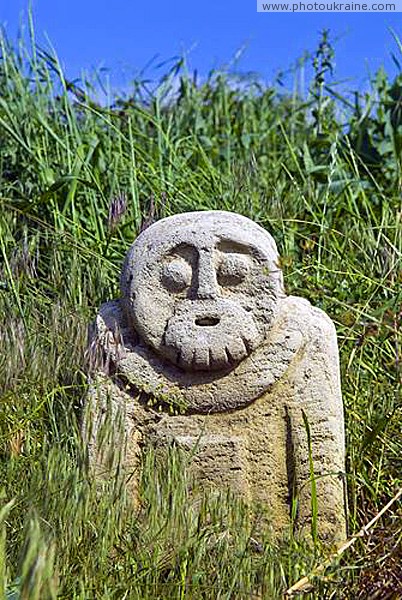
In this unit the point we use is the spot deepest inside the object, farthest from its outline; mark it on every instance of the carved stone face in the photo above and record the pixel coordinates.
(200, 288)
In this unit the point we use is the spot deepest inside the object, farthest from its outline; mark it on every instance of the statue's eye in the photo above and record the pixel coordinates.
(233, 269)
(176, 275)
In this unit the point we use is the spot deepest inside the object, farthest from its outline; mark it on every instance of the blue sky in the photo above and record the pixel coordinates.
(123, 35)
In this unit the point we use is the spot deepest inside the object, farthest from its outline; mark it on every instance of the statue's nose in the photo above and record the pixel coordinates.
(207, 285)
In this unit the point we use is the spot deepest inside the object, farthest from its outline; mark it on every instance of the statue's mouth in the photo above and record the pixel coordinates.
(210, 335)
(207, 321)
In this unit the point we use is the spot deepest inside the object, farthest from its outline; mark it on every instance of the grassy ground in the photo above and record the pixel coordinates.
(77, 181)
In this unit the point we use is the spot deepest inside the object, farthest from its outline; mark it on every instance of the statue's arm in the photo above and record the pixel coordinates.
(316, 441)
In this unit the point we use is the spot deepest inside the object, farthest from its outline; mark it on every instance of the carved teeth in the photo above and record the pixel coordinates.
(229, 358)
(201, 358)
(248, 344)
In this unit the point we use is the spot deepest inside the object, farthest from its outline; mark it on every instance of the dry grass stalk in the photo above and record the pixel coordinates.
(305, 585)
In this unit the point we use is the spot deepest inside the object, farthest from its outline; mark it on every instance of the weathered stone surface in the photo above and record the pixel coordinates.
(205, 350)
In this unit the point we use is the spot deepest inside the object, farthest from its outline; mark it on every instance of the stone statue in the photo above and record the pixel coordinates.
(206, 351)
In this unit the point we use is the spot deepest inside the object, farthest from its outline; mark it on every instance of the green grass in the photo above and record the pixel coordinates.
(323, 174)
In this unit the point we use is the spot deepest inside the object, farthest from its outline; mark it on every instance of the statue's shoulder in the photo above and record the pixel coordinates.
(110, 328)
(299, 313)
(109, 313)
